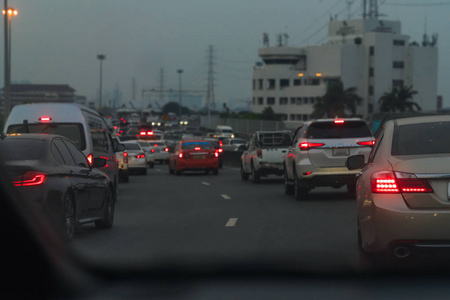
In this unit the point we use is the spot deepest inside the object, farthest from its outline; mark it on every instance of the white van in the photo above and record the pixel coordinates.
(224, 131)
(85, 127)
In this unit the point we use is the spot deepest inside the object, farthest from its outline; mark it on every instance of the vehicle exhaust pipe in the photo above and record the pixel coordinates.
(401, 252)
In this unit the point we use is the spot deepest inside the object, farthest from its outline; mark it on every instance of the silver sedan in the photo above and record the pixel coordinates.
(403, 190)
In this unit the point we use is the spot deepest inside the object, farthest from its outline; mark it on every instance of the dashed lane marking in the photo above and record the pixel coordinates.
(205, 183)
(231, 222)
(225, 196)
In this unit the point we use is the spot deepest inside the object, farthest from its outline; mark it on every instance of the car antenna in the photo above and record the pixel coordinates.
(25, 123)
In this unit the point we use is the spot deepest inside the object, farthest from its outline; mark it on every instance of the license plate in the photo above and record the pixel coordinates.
(198, 156)
(341, 152)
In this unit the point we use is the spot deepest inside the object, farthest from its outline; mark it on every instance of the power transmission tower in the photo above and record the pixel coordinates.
(210, 102)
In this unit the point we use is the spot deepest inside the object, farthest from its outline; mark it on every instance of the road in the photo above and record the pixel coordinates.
(199, 218)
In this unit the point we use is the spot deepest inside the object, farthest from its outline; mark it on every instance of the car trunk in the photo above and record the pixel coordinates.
(433, 170)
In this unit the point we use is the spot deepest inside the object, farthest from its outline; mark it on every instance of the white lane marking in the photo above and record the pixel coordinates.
(225, 196)
(205, 183)
(231, 222)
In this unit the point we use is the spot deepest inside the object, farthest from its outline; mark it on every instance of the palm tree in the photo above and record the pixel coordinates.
(336, 101)
(399, 99)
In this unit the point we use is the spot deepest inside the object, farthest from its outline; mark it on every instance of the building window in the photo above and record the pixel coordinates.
(260, 84)
(297, 82)
(254, 101)
(305, 117)
(260, 101)
(292, 117)
(298, 117)
(254, 84)
(315, 81)
(311, 100)
(397, 83)
(271, 101)
(283, 117)
(371, 90)
(371, 72)
(293, 100)
(299, 101)
(371, 50)
(271, 84)
(399, 43)
(398, 64)
(284, 83)
(283, 101)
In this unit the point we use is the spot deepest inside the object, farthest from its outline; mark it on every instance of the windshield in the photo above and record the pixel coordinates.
(307, 75)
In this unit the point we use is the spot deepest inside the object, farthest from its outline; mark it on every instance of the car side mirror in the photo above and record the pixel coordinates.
(98, 162)
(355, 162)
(119, 148)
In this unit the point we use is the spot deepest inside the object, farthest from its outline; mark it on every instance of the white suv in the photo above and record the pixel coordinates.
(318, 153)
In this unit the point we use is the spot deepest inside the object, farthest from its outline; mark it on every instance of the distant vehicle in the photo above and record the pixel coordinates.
(194, 155)
(160, 151)
(233, 144)
(85, 127)
(150, 158)
(402, 192)
(224, 132)
(265, 154)
(217, 144)
(318, 153)
(136, 157)
(122, 160)
(56, 178)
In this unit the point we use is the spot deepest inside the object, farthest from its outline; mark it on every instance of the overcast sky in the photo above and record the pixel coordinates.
(57, 41)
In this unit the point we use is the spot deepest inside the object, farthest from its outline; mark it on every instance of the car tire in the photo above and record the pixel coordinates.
(215, 171)
(288, 187)
(256, 176)
(244, 175)
(108, 212)
(69, 218)
(300, 193)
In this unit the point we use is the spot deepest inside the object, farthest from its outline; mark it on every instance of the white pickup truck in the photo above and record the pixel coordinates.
(264, 154)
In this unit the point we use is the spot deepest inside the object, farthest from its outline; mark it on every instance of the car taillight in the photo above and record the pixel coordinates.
(259, 153)
(30, 178)
(220, 143)
(166, 149)
(387, 182)
(339, 121)
(125, 157)
(180, 155)
(306, 146)
(197, 148)
(45, 119)
(153, 150)
(140, 156)
(220, 150)
(90, 159)
(142, 133)
(367, 143)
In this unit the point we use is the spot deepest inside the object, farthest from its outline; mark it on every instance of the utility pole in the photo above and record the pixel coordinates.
(210, 102)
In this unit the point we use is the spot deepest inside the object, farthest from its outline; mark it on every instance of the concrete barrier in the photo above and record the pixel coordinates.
(232, 159)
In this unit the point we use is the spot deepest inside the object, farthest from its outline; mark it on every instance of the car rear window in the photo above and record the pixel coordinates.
(425, 138)
(330, 130)
(193, 145)
(21, 149)
(132, 146)
(72, 131)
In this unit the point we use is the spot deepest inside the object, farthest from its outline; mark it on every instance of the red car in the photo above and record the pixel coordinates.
(194, 155)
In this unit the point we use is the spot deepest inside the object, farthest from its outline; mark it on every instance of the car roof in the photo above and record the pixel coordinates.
(423, 119)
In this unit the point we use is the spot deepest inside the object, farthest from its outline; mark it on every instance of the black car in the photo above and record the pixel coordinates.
(54, 176)
(217, 144)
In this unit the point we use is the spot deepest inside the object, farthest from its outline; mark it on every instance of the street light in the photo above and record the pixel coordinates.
(179, 71)
(101, 57)
(8, 12)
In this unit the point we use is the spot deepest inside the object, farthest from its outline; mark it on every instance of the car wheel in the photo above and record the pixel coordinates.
(288, 187)
(215, 171)
(69, 218)
(256, 176)
(108, 212)
(244, 175)
(300, 193)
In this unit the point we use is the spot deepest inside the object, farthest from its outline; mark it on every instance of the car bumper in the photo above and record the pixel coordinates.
(197, 165)
(387, 222)
(270, 168)
(137, 163)
(332, 176)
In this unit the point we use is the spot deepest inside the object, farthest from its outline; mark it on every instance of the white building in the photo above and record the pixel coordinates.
(369, 54)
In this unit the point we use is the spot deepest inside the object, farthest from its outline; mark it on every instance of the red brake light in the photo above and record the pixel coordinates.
(216, 154)
(90, 159)
(220, 143)
(45, 119)
(155, 145)
(220, 150)
(197, 148)
(125, 154)
(367, 143)
(31, 178)
(142, 133)
(149, 132)
(306, 146)
(339, 121)
(153, 150)
(180, 155)
(387, 182)
(166, 149)
(140, 156)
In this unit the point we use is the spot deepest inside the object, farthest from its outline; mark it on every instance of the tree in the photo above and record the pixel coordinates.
(399, 99)
(336, 101)
(174, 107)
(268, 114)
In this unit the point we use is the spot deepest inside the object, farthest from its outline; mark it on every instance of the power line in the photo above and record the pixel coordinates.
(417, 4)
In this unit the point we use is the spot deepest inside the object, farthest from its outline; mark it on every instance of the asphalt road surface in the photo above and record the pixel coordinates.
(220, 218)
